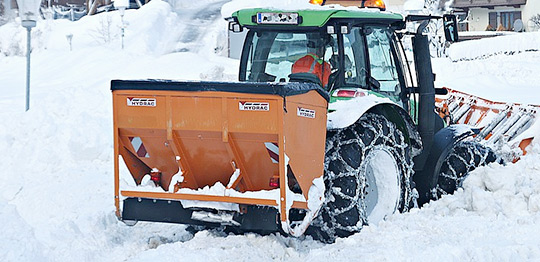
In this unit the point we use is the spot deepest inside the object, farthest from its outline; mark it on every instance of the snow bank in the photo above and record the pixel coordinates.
(18, 241)
(152, 29)
(495, 217)
(11, 39)
(511, 191)
(507, 77)
(507, 44)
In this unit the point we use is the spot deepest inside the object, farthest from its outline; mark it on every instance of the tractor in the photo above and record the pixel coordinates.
(331, 127)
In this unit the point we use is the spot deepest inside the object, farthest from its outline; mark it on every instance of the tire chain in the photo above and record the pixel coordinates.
(475, 155)
(395, 139)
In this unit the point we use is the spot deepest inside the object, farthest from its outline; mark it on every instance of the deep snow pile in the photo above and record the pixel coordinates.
(56, 200)
(494, 218)
(504, 69)
(18, 238)
(505, 44)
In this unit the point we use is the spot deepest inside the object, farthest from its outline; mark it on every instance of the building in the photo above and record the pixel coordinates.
(482, 15)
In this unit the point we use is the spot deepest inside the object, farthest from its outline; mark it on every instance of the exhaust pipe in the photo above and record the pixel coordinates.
(426, 90)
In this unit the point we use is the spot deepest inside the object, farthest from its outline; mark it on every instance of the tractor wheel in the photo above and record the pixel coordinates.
(368, 172)
(464, 158)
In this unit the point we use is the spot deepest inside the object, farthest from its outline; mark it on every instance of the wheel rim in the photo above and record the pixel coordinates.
(382, 191)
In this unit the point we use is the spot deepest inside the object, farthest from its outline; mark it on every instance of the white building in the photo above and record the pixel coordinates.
(482, 15)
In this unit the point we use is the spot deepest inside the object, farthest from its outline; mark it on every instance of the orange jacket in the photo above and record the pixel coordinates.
(310, 63)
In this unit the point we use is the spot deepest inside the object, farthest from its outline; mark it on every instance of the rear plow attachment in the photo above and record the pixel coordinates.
(502, 126)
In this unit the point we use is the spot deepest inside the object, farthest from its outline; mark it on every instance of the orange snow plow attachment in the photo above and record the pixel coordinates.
(500, 123)
(205, 145)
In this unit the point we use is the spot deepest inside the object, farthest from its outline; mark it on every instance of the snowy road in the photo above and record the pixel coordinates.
(56, 183)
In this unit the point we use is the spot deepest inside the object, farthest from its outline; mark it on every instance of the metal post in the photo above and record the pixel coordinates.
(28, 10)
(123, 26)
(28, 49)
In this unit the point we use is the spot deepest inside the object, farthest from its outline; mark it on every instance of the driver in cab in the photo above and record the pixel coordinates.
(313, 61)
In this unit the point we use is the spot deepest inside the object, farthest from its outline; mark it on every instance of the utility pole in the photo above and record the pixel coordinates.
(28, 24)
(28, 11)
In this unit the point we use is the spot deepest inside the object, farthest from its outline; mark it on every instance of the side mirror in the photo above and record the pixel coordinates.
(450, 28)
(235, 27)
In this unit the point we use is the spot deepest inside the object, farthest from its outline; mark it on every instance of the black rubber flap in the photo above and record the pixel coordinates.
(281, 89)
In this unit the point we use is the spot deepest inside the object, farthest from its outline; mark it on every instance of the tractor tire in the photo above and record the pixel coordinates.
(368, 176)
(464, 158)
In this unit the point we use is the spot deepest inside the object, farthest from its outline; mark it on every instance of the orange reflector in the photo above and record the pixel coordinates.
(374, 3)
(317, 2)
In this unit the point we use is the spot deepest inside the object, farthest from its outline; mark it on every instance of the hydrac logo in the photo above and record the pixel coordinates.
(304, 112)
(133, 101)
(253, 106)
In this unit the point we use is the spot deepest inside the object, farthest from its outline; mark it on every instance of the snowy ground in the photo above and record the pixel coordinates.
(503, 68)
(56, 200)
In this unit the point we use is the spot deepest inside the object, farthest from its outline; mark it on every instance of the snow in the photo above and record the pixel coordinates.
(491, 46)
(490, 67)
(56, 198)
(460, 129)
(347, 112)
(485, 33)
(231, 7)
(233, 178)
(18, 241)
(314, 203)
(413, 5)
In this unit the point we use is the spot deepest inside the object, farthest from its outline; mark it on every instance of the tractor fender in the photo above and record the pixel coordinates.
(344, 113)
(444, 140)
(347, 112)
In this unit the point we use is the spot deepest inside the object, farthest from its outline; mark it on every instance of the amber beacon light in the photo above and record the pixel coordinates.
(374, 3)
(360, 3)
(317, 2)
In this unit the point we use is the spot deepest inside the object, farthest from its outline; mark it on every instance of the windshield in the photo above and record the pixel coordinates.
(274, 56)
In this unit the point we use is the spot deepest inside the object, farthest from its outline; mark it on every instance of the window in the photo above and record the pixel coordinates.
(353, 45)
(492, 21)
(504, 19)
(382, 60)
(508, 19)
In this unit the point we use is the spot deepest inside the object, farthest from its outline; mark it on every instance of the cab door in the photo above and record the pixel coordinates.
(384, 64)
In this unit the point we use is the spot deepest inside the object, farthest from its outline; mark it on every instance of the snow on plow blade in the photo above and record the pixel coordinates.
(500, 123)
(219, 153)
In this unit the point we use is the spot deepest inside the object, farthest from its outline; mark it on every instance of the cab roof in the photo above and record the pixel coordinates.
(319, 17)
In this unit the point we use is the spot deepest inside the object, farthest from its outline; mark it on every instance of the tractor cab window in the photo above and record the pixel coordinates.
(278, 56)
(382, 61)
(354, 58)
